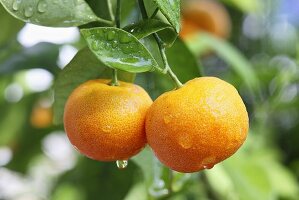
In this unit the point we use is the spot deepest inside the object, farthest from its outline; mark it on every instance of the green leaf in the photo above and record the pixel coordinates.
(249, 178)
(41, 55)
(8, 31)
(83, 67)
(245, 5)
(204, 42)
(171, 10)
(119, 49)
(221, 183)
(145, 161)
(282, 180)
(54, 13)
(150, 26)
(101, 8)
(185, 66)
(99, 180)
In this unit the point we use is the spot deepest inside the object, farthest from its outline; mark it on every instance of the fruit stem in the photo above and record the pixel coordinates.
(167, 69)
(108, 22)
(114, 81)
(117, 15)
(155, 13)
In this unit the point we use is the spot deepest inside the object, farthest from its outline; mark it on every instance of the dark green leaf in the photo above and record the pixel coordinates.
(41, 55)
(119, 49)
(101, 8)
(84, 66)
(54, 13)
(171, 10)
(150, 26)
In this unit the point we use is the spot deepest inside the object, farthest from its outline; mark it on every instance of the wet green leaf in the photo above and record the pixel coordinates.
(56, 13)
(84, 66)
(119, 49)
(171, 10)
(150, 26)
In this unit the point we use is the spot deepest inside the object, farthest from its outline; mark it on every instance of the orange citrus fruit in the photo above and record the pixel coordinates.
(198, 125)
(41, 117)
(205, 15)
(107, 123)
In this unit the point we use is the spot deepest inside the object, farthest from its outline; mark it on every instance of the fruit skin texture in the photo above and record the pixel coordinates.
(107, 123)
(198, 125)
(205, 15)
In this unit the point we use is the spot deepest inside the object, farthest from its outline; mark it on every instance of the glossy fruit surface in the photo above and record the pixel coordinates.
(198, 125)
(107, 123)
(205, 16)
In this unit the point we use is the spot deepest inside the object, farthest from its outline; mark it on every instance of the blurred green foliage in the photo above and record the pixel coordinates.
(265, 168)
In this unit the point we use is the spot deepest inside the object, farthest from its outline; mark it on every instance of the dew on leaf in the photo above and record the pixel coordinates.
(95, 45)
(125, 38)
(28, 11)
(42, 6)
(111, 35)
(16, 5)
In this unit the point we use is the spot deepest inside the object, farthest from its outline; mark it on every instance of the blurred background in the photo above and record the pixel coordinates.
(252, 44)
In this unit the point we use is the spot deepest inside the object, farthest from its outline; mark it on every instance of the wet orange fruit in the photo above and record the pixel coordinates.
(107, 123)
(198, 125)
(205, 15)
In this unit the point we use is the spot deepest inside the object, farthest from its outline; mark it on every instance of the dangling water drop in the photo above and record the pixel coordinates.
(208, 166)
(28, 11)
(16, 5)
(125, 38)
(42, 6)
(121, 164)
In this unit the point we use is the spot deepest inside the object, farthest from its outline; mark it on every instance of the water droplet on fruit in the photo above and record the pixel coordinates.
(42, 6)
(94, 45)
(167, 119)
(16, 5)
(28, 11)
(106, 129)
(185, 142)
(111, 35)
(125, 38)
(121, 164)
